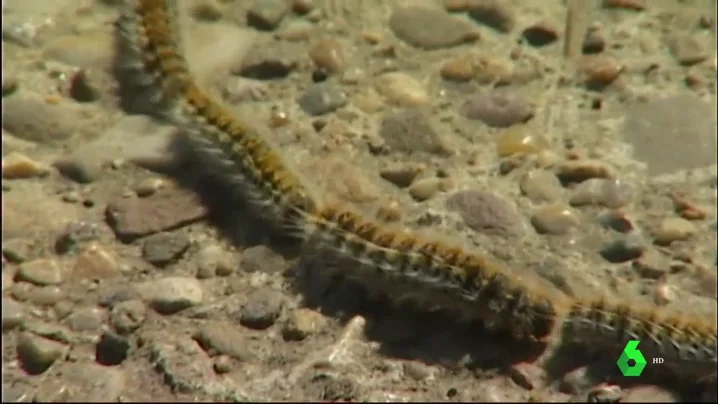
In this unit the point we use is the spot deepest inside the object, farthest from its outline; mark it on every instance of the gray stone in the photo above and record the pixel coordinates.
(13, 314)
(162, 249)
(430, 28)
(41, 272)
(411, 130)
(322, 98)
(172, 294)
(37, 354)
(262, 310)
(485, 212)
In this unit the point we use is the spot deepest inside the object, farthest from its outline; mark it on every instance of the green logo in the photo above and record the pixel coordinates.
(630, 352)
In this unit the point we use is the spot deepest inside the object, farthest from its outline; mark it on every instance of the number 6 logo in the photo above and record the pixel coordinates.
(631, 352)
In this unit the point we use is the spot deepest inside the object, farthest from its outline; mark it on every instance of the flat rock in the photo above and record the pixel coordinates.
(164, 248)
(168, 209)
(430, 28)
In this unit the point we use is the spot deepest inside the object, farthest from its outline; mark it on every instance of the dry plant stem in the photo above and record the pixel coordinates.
(402, 266)
(578, 13)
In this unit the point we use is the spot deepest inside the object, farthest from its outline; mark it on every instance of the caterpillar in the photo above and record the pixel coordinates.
(431, 273)
(225, 145)
(404, 266)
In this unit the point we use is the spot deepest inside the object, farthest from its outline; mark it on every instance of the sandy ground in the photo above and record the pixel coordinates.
(596, 172)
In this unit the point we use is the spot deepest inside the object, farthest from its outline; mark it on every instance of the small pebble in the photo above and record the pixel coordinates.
(327, 54)
(16, 250)
(458, 69)
(519, 139)
(214, 260)
(389, 212)
(627, 248)
(412, 130)
(16, 166)
(41, 272)
(262, 310)
(687, 209)
(482, 68)
(425, 189)
(128, 316)
(651, 265)
(303, 323)
(77, 169)
(86, 319)
(616, 220)
(95, 262)
(401, 89)
(494, 13)
(322, 98)
(598, 71)
(48, 295)
(540, 34)
(149, 186)
(486, 212)
(402, 175)
(554, 219)
(164, 248)
(222, 364)
(267, 14)
(674, 229)
(222, 338)
(37, 354)
(172, 294)
(206, 10)
(499, 110)
(541, 186)
(594, 42)
(582, 170)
